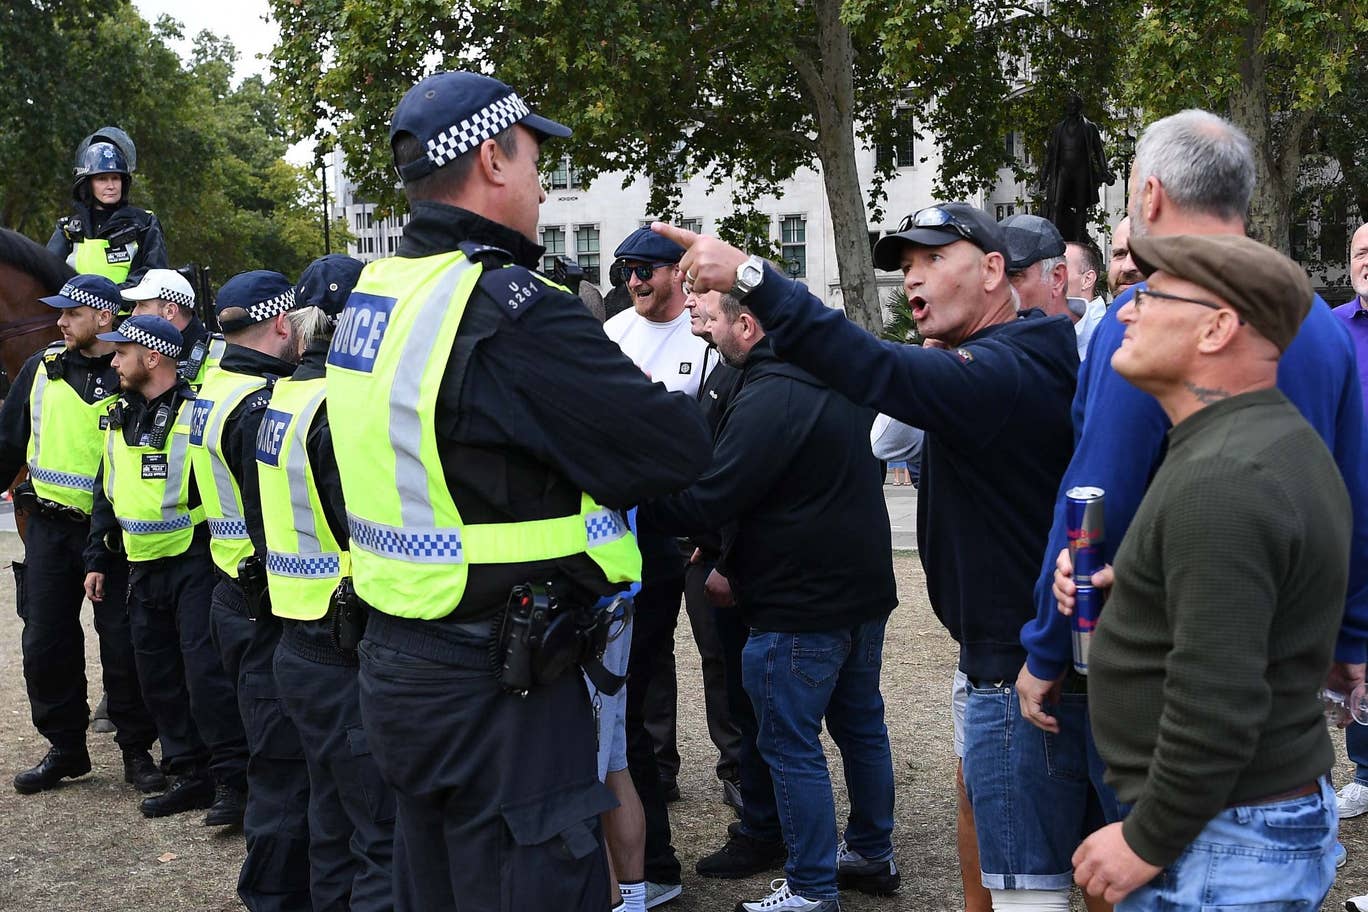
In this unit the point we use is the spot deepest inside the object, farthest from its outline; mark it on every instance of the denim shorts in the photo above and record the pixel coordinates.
(1275, 857)
(1035, 795)
(610, 710)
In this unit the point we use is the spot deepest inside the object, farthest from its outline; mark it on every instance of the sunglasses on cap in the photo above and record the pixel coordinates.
(643, 271)
(935, 217)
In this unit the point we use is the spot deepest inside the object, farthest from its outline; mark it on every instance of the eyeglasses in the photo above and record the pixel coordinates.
(935, 217)
(643, 271)
(1142, 293)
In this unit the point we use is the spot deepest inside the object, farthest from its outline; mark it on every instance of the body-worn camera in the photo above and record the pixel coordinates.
(252, 578)
(348, 616)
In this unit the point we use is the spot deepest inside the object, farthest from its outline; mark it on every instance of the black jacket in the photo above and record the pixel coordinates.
(715, 390)
(150, 252)
(798, 494)
(547, 407)
(999, 435)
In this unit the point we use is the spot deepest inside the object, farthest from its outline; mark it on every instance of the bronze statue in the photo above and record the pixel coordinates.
(1075, 167)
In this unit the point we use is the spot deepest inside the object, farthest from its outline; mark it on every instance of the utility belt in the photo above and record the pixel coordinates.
(346, 611)
(542, 635)
(26, 500)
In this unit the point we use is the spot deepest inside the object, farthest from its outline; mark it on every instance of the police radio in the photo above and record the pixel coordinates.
(72, 228)
(161, 426)
(125, 235)
(190, 367)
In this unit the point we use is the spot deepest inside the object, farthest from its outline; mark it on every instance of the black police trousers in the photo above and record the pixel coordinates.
(498, 794)
(351, 809)
(50, 591)
(182, 676)
(275, 873)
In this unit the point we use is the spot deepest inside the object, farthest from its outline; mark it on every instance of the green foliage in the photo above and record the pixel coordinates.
(898, 325)
(210, 155)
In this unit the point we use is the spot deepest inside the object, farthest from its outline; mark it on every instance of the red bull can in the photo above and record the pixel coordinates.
(1084, 521)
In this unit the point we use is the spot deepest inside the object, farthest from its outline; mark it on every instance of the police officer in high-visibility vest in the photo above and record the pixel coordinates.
(145, 506)
(52, 422)
(263, 346)
(166, 293)
(105, 235)
(488, 435)
(351, 809)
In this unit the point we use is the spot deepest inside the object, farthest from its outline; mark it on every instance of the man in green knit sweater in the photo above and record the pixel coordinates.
(1227, 594)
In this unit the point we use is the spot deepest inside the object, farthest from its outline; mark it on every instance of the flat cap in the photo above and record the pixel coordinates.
(1268, 290)
(936, 226)
(648, 247)
(1030, 239)
(327, 282)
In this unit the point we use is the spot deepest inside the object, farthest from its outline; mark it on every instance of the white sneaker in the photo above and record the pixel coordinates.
(1357, 904)
(783, 899)
(658, 894)
(1353, 800)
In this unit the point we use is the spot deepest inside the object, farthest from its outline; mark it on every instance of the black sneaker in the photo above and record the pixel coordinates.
(230, 806)
(671, 791)
(187, 793)
(58, 764)
(877, 878)
(742, 856)
(141, 772)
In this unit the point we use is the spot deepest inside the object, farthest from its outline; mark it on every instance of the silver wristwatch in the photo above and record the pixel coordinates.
(749, 275)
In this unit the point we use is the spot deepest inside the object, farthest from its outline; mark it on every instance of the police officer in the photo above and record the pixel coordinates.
(487, 434)
(144, 505)
(51, 422)
(165, 293)
(262, 347)
(351, 809)
(105, 235)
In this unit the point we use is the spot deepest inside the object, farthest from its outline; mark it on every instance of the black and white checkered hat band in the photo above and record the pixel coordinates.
(265, 310)
(145, 338)
(81, 296)
(490, 120)
(176, 297)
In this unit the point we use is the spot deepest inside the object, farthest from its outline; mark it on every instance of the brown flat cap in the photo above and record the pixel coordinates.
(1271, 292)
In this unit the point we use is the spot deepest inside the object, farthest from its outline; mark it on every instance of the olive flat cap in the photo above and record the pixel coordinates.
(1268, 290)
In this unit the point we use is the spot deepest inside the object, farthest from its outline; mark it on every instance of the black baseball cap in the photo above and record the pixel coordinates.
(938, 225)
(452, 113)
(1030, 239)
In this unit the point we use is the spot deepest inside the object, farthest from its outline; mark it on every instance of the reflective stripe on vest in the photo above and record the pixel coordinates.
(223, 390)
(410, 550)
(304, 562)
(153, 511)
(65, 441)
(92, 258)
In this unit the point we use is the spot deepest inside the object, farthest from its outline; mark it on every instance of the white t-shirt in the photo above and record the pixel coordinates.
(668, 352)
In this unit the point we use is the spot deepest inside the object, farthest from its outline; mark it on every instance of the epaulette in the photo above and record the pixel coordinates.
(486, 255)
(258, 399)
(513, 288)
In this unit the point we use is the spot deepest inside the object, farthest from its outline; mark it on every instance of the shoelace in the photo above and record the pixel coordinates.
(845, 854)
(781, 894)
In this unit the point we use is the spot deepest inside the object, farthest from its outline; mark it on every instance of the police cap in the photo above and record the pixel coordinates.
(87, 291)
(327, 282)
(149, 331)
(261, 294)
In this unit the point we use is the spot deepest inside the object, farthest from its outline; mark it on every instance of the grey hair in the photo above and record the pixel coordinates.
(311, 323)
(1016, 298)
(1047, 266)
(1205, 163)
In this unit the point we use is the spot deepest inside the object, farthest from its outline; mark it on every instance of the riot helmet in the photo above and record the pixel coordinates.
(100, 158)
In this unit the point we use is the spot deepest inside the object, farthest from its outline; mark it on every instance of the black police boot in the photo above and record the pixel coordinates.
(742, 856)
(60, 763)
(230, 806)
(141, 772)
(187, 793)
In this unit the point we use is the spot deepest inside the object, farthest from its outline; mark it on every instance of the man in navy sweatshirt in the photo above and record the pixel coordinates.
(1193, 174)
(994, 402)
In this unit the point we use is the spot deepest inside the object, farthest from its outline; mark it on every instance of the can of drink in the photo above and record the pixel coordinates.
(1084, 521)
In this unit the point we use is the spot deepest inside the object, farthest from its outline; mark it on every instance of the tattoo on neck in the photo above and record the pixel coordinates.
(1206, 394)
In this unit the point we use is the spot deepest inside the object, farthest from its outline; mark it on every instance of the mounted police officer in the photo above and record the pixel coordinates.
(52, 421)
(252, 309)
(351, 809)
(488, 434)
(105, 235)
(146, 508)
(165, 293)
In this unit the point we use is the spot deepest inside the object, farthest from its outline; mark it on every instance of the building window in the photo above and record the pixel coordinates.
(900, 153)
(587, 251)
(1005, 210)
(553, 239)
(793, 244)
(691, 224)
(563, 176)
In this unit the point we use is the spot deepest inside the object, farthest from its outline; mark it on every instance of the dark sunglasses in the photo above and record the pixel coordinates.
(935, 217)
(644, 271)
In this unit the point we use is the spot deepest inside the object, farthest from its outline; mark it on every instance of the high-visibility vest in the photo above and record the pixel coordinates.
(222, 392)
(410, 550)
(304, 562)
(92, 258)
(149, 488)
(66, 438)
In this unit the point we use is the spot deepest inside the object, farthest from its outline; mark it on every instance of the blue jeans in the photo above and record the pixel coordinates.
(794, 680)
(1356, 746)
(1275, 857)
(1035, 795)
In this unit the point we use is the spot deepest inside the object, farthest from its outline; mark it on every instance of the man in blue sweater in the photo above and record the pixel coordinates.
(1193, 174)
(994, 402)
